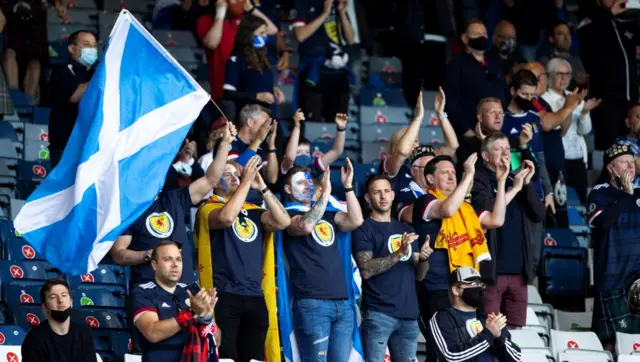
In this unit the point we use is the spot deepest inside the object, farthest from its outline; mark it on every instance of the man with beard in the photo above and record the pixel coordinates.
(504, 47)
(390, 263)
(633, 138)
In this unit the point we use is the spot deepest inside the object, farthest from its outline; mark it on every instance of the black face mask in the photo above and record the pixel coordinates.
(61, 315)
(473, 296)
(480, 43)
(508, 47)
(525, 104)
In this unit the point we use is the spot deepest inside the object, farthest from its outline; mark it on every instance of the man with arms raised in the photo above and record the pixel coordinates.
(390, 262)
(323, 316)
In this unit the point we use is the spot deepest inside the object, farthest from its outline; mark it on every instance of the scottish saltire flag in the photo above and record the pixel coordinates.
(285, 317)
(132, 120)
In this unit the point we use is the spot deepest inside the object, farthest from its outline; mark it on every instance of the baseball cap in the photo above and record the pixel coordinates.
(464, 274)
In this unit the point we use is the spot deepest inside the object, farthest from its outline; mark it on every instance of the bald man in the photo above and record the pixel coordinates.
(505, 46)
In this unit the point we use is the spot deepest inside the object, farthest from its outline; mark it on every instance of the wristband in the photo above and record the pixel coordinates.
(444, 116)
(273, 150)
(221, 12)
(348, 189)
(523, 147)
(264, 190)
(338, 129)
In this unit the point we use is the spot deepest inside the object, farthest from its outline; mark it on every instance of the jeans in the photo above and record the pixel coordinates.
(323, 329)
(379, 330)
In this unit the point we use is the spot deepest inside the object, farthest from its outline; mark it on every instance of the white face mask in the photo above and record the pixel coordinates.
(302, 187)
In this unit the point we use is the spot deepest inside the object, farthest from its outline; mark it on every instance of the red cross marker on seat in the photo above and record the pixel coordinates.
(28, 252)
(636, 346)
(387, 358)
(12, 357)
(39, 171)
(16, 272)
(130, 345)
(87, 278)
(33, 319)
(1, 338)
(572, 344)
(44, 137)
(92, 322)
(26, 299)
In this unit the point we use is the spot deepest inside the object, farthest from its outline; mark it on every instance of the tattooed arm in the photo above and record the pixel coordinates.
(276, 217)
(370, 267)
(304, 224)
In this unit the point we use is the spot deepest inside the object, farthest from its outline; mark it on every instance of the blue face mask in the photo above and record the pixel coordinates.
(88, 56)
(259, 41)
(303, 160)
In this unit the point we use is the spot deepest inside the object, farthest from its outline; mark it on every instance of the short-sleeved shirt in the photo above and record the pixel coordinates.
(394, 291)
(438, 274)
(150, 297)
(217, 58)
(64, 81)
(405, 198)
(237, 254)
(616, 248)
(323, 40)
(315, 266)
(163, 220)
(240, 77)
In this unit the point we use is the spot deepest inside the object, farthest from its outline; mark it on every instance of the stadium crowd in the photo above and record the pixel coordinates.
(446, 239)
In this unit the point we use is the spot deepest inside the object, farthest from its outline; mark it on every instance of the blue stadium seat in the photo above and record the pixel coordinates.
(8, 149)
(8, 132)
(559, 237)
(33, 171)
(384, 115)
(362, 171)
(314, 131)
(120, 342)
(22, 292)
(57, 32)
(11, 335)
(4, 313)
(577, 222)
(384, 80)
(108, 296)
(28, 315)
(337, 189)
(104, 319)
(385, 65)
(22, 103)
(41, 115)
(16, 248)
(393, 97)
(81, 4)
(28, 270)
(574, 201)
(105, 274)
(563, 272)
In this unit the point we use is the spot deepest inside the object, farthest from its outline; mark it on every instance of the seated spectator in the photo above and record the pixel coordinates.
(298, 152)
(470, 77)
(166, 312)
(67, 85)
(505, 46)
(217, 30)
(321, 27)
(176, 14)
(60, 338)
(613, 218)
(184, 169)
(390, 263)
(573, 129)
(632, 138)
(560, 39)
(515, 245)
(323, 315)
(248, 77)
(442, 213)
(26, 45)
(461, 333)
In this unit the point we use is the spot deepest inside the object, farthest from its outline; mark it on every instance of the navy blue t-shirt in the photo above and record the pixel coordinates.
(240, 77)
(510, 237)
(318, 44)
(405, 197)
(237, 254)
(163, 220)
(616, 248)
(552, 144)
(150, 297)
(394, 291)
(315, 266)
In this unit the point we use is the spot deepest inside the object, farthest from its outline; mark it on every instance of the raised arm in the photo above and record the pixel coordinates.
(551, 120)
(271, 171)
(225, 216)
(370, 267)
(304, 224)
(338, 142)
(303, 32)
(272, 29)
(289, 158)
(211, 39)
(421, 260)
(276, 217)
(495, 218)
(352, 219)
(448, 207)
(202, 186)
(450, 139)
(404, 147)
(345, 22)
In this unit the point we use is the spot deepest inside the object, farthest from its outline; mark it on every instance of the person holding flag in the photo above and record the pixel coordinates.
(314, 244)
(232, 258)
(390, 263)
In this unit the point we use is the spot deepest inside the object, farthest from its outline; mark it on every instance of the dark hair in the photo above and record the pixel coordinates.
(303, 141)
(376, 177)
(524, 77)
(154, 254)
(473, 21)
(73, 38)
(557, 24)
(495, 136)
(243, 45)
(292, 171)
(49, 284)
(431, 166)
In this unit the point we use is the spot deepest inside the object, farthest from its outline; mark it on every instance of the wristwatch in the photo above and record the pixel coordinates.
(147, 256)
(443, 116)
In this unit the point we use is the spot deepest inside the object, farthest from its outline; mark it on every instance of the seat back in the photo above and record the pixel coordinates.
(536, 354)
(105, 274)
(570, 340)
(384, 115)
(526, 338)
(11, 353)
(544, 312)
(533, 296)
(18, 291)
(104, 319)
(107, 296)
(11, 335)
(566, 321)
(559, 237)
(585, 356)
(532, 318)
(628, 358)
(627, 343)
(16, 248)
(563, 271)
(28, 315)
(392, 97)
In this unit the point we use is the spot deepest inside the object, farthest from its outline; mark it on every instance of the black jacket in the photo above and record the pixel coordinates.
(483, 196)
(609, 55)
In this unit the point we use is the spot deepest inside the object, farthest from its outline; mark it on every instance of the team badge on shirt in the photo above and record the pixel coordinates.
(638, 202)
(394, 243)
(323, 233)
(592, 207)
(245, 229)
(160, 225)
(474, 327)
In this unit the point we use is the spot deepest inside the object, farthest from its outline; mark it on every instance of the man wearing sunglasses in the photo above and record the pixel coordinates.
(461, 333)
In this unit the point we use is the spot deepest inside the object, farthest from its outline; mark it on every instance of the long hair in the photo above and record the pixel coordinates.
(243, 46)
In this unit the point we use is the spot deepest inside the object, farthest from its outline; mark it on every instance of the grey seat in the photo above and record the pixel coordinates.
(62, 31)
(386, 114)
(372, 151)
(36, 132)
(134, 6)
(36, 151)
(175, 38)
(324, 130)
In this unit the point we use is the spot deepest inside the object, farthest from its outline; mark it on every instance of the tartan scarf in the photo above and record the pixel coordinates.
(201, 346)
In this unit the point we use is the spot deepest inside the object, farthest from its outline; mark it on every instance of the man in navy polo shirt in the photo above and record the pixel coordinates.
(323, 316)
(321, 27)
(163, 307)
(390, 264)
